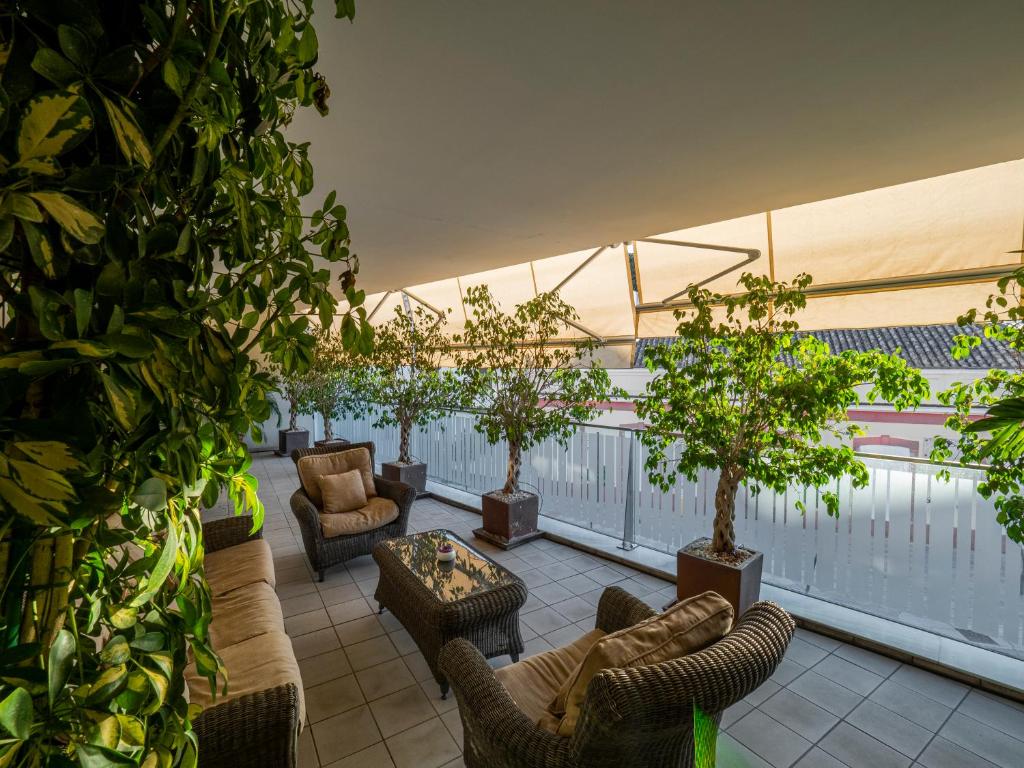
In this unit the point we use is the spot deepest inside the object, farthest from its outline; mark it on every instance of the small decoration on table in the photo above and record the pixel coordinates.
(445, 552)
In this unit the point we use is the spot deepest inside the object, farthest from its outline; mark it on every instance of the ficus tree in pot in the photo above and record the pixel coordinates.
(329, 384)
(406, 385)
(997, 440)
(293, 386)
(529, 383)
(742, 392)
(152, 244)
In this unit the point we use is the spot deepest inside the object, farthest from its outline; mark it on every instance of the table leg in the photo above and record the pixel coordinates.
(444, 690)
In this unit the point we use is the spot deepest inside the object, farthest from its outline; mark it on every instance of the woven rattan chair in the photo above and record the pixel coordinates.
(322, 551)
(642, 716)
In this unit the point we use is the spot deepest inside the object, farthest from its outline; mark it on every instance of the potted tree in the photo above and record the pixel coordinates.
(293, 387)
(406, 384)
(740, 391)
(328, 384)
(527, 388)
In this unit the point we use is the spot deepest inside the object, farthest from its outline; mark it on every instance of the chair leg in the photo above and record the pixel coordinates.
(321, 575)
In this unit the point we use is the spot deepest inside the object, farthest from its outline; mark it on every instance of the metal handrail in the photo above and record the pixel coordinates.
(862, 454)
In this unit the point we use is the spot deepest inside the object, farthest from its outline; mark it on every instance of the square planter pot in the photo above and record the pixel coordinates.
(509, 522)
(410, 474)
(290, 439)
(336, 442)
(739, 584)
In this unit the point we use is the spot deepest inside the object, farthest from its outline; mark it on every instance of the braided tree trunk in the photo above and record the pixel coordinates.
(328, 431)
(405, 427)
(293, 414)
(724, 540)
(515, 464)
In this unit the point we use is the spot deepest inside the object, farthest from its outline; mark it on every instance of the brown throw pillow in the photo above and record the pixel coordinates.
(343, 492)
(687, 627)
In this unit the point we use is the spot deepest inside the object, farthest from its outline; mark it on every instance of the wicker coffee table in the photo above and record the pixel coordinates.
(471, 597)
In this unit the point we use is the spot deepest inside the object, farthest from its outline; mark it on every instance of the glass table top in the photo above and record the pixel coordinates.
(470, 573)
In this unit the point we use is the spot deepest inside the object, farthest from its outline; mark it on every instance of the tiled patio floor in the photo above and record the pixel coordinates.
(371, 700)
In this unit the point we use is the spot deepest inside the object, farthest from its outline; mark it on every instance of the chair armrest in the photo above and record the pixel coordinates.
(713, 679)
(497, 730)
(402, 494)
(307, 515)
(221, 534)
(258, 729)
(618, 609)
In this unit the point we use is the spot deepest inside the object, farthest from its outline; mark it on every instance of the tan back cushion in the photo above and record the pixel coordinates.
(312, 468)
(344, 492)
(687, 627)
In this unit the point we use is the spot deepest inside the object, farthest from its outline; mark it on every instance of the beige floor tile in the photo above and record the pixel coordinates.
(384, 678)
(293, 606)
(349, 610)
(376, 756)
(314, 643)
(304, 623)
(418, 666)
(453, 722)
(428, 745)
(326, 666)
(403, 642)
(357, 630)
(340, 594)
(307, 750)
(370, 653)
(401, 710)
(332, 698)
(345, 734)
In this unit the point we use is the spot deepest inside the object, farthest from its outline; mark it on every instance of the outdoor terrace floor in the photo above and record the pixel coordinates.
(371, 700)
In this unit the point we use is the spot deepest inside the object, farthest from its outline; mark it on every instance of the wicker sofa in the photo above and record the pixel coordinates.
(325, 551)
(640, 716)
(256, 724)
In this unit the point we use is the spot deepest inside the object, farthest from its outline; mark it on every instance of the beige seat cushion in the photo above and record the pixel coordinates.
(239, 566)
(377, 512)
(687, 627)
(245, 613)
(252, 665)
(344, 492)
(312, 467)
(532, 683)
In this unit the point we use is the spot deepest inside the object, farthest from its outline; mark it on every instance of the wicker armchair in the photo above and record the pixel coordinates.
(642, 716)
(257, 730)
(323, 552)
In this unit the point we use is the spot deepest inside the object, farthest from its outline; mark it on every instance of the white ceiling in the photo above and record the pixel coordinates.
(469, 135)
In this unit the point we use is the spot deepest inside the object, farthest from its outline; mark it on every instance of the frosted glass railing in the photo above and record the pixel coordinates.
(909, 547)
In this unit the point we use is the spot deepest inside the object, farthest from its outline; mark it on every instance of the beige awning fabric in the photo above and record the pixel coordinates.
(912, 254)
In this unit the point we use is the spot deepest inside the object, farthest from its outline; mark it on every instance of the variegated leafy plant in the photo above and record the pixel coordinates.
(152, 246)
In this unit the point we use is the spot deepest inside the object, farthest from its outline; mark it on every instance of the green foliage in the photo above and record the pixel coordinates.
(152, 244)
(330, 386)
(526, 387)
(997, 440)
(749, 396)
(404, 379)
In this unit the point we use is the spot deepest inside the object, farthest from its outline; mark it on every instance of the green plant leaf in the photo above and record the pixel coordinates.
(41, 248)
(162, 569)
(83, 309)
(52, 454)
(96, 756)
(16, 714)
(79, 222)
(61, 659)
(116, 651)
(53, 123)
(54, 67)
(130, 137)
(151, 494)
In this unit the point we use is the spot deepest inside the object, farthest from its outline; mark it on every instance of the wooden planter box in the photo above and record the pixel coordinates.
(739, 584)
(335, 442)
(410, 474)
(509, 523)
(290, 439)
